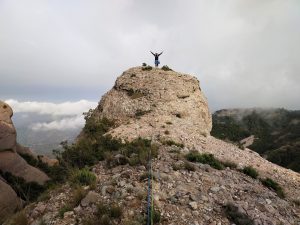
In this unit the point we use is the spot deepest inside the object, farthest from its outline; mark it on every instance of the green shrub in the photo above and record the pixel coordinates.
(106, 213)
(237, 217)
(134, 94)
(116, 211)
(167, 132)
(147, 68)
(171, 142)
(204, 158)
(271, 184)
(62, 210)
(166, 68)
(250, 171)
(156, 216)
(144, 64)
(169, 122)
(94, 146)
(140, 113)
(176, 166)
(95, 128)
(83, 177)
(138, 151)
(102, 209)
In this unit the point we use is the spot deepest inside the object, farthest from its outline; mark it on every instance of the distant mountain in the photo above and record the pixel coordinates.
(42, 141)
(276, 131)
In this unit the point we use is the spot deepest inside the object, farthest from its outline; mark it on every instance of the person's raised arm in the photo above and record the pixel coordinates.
(160, 53)
(152, 53)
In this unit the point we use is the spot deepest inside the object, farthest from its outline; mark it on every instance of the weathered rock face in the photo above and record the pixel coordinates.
(10, 160)
(13, 163)
(9, 201)
(156, 103)
(7, 129)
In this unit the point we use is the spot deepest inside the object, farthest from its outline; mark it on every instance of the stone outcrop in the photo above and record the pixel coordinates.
(9, 201)
(7, 129)
(12, 162)
(156, 104)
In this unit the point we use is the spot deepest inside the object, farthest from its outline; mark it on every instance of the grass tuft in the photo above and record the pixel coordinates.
(204, 158)
(250, 171)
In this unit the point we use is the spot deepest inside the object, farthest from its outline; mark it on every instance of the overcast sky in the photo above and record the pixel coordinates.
(244, 52)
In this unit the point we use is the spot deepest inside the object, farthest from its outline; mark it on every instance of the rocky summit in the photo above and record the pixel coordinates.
(197, 179)
(156, 104)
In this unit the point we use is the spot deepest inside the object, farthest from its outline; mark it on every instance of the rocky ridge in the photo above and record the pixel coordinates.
(148, 103)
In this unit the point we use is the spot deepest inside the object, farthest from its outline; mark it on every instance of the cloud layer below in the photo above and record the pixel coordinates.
(62, 116)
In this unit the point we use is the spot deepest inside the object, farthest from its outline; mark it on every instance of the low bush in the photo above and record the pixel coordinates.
(94, 146)
(83, 177)
(250, 171)
(147, 68)
(105, 213)
(237, 217)
(176, 166)
(156, 216)
(204, 158)
(140, 113)
(63, 210)
(116, 211)
(171, 142)
(166, 68)
(271, 184)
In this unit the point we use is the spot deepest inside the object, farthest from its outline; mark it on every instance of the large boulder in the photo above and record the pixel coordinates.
(7, 129)
(10, 160)
(156, 103)
(9, 201)
(13, 163)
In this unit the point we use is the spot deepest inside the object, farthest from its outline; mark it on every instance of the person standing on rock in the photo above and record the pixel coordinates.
(156, 61)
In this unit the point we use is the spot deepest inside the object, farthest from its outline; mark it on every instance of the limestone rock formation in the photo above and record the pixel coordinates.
(9, 202)
(12, 162)
(156, 104)
(7, 129)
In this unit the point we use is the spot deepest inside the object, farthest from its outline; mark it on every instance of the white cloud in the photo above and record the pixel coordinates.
(64, 116)
(72, 123)
(55, 109)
